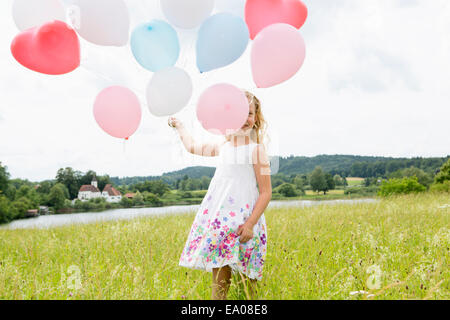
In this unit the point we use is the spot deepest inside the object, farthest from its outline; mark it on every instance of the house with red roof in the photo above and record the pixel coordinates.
(91, 191)
(111, 194)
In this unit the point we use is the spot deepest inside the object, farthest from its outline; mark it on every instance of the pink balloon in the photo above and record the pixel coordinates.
(278, 52)
(222, 109)
(262, 13)
(52, 48)
(117, 111)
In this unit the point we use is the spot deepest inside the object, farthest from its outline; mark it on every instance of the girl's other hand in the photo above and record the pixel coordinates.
(245, 232)
(174, 123)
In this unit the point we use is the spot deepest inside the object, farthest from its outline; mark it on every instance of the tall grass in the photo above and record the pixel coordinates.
(397, 248)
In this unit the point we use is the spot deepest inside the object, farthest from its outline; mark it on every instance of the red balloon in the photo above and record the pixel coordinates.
(52, 48)
(262, 13)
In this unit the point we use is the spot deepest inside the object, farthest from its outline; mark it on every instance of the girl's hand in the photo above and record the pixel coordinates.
(245, 232)
(174, 123)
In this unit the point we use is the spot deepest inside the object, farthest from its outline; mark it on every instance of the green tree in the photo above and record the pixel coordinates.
(4, 179)
(23, 191)
(138, 199)
(338, 180)
(205, 181)
(102, 181)
(183, 184)
(444, 173)
(11, 192)
(57, 196)
(45, 186)
(193, 184)
(318, 180)
(299, 182)
(71, 179)
(344, 181)
(4, 210)
(330, 182)
(19, 208)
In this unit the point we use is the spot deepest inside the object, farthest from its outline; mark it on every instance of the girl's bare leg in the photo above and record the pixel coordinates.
(221, 282)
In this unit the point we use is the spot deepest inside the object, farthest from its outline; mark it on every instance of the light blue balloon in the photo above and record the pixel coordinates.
(222, 39)
(155, 45)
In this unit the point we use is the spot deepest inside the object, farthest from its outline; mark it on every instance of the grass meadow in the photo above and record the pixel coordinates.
(397, 248)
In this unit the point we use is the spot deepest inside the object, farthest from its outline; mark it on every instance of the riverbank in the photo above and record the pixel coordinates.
(394, 248)
(51, 221)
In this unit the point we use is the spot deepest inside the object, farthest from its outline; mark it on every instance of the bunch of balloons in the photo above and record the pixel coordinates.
(49, 45)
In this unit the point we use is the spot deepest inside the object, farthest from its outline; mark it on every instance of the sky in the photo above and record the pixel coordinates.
(375, 82)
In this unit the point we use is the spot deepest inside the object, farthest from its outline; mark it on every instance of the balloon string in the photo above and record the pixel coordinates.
(252, 88)
(82, 65)
(124, 149)
(140, 95)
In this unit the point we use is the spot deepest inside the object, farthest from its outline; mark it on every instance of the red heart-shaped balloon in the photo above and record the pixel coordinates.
(262, 13)
(52, 48)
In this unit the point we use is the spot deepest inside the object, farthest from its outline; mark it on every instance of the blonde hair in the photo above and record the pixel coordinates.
(258, 132)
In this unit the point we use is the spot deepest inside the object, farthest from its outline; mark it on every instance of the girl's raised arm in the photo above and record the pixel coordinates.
(205, 149)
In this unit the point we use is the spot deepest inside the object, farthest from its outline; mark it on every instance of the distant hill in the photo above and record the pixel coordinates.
(169, 177)
(357, 166)
(344, 165)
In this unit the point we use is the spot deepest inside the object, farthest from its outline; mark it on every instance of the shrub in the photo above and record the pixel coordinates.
(152, 199)
(78, 204)
(441, 187)
(444, 173)
(287, 190)
(365, 191)
(4, 210)
(20, 207)
(185, 194)
(125, 202)
(276, 196)
(199, 193)
(400, 186)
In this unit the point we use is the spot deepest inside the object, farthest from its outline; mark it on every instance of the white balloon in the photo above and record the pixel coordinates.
(102, 22)
(236, 7)
(187, 14)
(28, 14)
(168, 91)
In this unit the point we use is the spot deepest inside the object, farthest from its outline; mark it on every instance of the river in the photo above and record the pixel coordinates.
(56, 220)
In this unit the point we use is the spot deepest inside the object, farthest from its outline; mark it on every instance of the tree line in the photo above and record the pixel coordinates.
(17, 196)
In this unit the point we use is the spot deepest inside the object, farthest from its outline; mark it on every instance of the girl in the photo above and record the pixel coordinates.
(229, 232)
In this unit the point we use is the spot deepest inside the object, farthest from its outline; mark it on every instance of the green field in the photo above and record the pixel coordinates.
(354, 181)
(394, 249)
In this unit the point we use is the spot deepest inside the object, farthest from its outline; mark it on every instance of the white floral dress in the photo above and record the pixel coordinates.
(229, 202)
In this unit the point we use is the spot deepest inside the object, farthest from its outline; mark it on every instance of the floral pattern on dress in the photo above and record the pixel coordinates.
(213, 241)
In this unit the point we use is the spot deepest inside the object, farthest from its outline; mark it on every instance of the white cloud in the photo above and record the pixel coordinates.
(375, 82)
